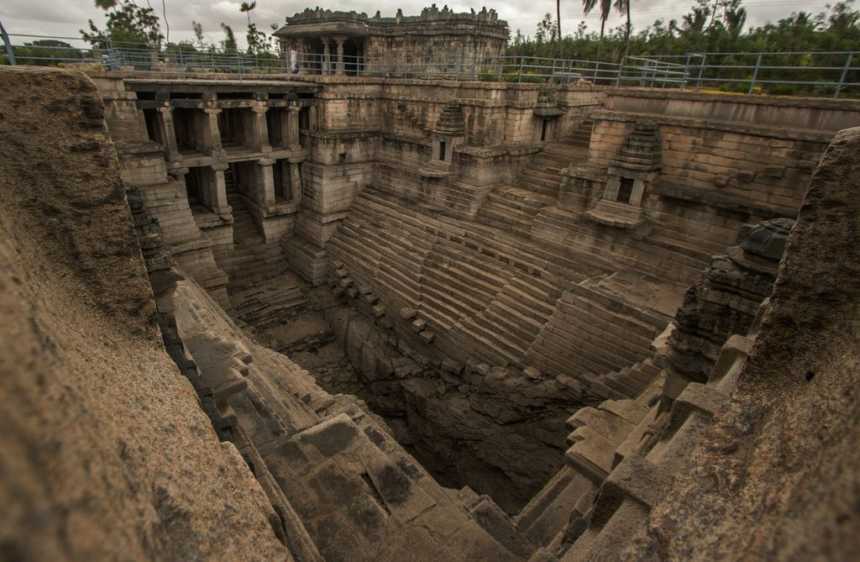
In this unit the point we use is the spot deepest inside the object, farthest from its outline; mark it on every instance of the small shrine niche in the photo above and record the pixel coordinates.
(630, 173)
(448, 133)
(547, 111)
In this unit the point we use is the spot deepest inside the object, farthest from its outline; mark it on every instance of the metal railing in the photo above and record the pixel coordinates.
(831, 73)
(788, 72)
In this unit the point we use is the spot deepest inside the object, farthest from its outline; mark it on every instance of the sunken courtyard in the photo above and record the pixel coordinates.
(338, 315)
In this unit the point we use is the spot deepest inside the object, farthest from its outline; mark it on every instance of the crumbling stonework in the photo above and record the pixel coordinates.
(106, 454)
(544, 232)
(477, 265)
(715, 465)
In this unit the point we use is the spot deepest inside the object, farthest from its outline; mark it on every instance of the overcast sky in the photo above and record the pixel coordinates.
(66, 17)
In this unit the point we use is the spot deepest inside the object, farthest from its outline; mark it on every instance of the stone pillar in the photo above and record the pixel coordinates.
(313, 122)
(168, 131)
(296, 182)
(340, 66)
(293, 140)
(637, 193)
(610, 192)
(179, 174)
(300, 50)
(326, 60)
(212, 133)
(260, 126)
(265, 192)
(218, 192)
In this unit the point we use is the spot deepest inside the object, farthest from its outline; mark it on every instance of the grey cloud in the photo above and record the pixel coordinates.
(50, 17)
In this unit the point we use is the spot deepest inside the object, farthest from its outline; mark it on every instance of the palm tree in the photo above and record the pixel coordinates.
(246, 8)
(558, 18)
(622, 7)
(166, 23)
(605, 8)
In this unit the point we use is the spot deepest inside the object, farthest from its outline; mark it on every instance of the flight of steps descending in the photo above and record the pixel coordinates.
(457, 283)
(252, 260)
(513, 209)
(261, 290)
(543, 173)
(512, 321)
(581, 135)
(630, 381)
(594, 332)
(384, 247)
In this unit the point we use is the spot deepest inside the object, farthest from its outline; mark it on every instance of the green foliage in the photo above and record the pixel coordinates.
(44, 52)
(128, 25)
(258, 41)
(710, 27)
(702, 30)
(228, 45)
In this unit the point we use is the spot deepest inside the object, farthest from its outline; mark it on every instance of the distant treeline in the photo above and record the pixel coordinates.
(720, 27)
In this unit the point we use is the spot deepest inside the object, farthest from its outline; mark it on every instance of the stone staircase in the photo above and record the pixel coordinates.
(457, 284)
(392, 247)
(251, 260)
(591, 332)
(262, 291)
(581, 135)
(513, 209)
(631, 381)
(492, 295)
(514, 318)
(543, 173)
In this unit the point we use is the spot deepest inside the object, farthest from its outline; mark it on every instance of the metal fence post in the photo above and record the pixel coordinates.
(621, 70)
(701, 71)
(7, 43)
(841, 78)
(686, 69)
(520, 71)
(755, 73)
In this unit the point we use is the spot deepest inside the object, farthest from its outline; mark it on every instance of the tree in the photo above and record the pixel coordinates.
(166, 23)
(127, 25)
(734, 17)
(229, 43)
(546, 30)
(198, 34)
(246, 8)
(558, 19)
(623, 6)
(605, 9)
(695, 21)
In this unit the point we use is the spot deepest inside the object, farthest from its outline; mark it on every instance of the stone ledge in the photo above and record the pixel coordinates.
(714, 125)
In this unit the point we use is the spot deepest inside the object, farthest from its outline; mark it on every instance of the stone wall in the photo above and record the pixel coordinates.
(106, 453)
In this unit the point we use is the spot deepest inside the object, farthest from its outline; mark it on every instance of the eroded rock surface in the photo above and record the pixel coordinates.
(106, 454)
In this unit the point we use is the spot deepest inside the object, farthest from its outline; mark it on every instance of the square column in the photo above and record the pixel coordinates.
(610, 192)
(326, 62)
(168, 131)
(212, 134)
(296, 182)
(220, 205)
(179, 174)
(259, 126)
(293, 140)
(265, 188)
(340, 66)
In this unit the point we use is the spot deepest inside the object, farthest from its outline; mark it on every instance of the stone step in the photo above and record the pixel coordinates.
(485, 329)
(463, 301)
(491, 351)
(591, 316)
(518, 328)
(539, 311)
